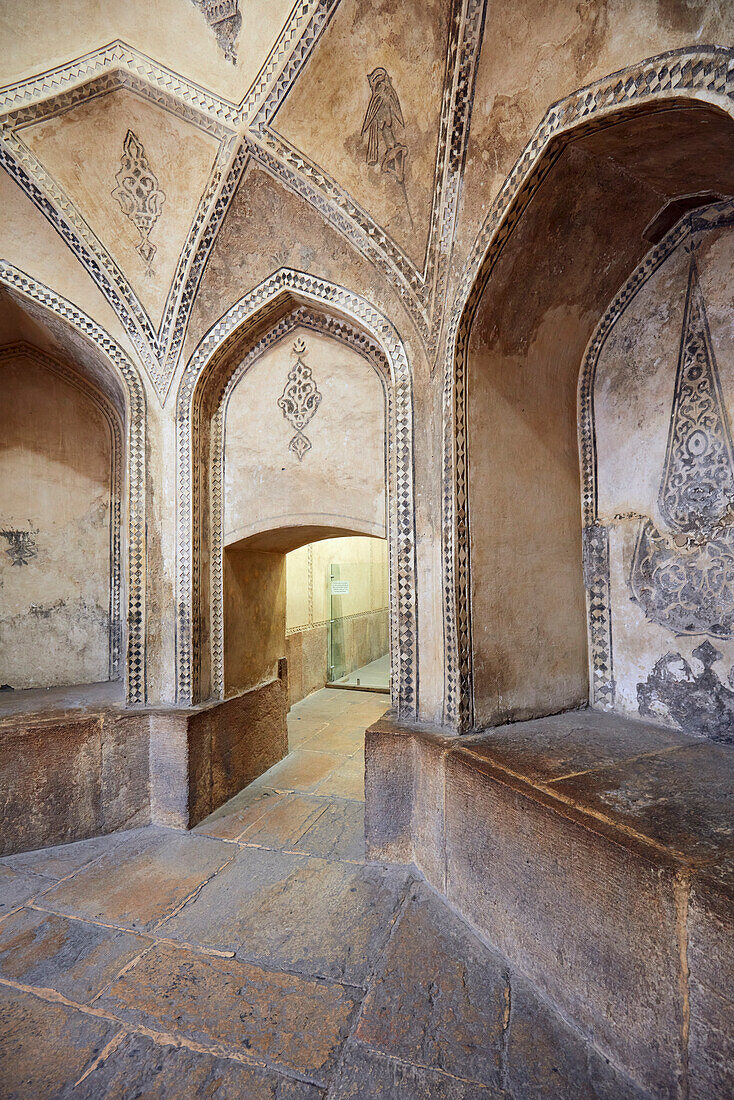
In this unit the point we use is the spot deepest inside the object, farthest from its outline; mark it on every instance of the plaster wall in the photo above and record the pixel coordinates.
(55, 508)
(339, 480)
(361, 617)
(254, 617)
(670, 581)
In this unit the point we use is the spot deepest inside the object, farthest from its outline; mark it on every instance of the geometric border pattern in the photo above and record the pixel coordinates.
(128, 391)
(241, 328)
(23, 350)
(596, 540)
(705, 75)
(104, 71)
(319, 322)
(243, 131)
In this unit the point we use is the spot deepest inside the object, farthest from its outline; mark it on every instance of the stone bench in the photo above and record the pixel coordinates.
(597, 854)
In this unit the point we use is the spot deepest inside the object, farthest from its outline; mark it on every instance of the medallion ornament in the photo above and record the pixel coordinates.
(139, 194)
(299, 401)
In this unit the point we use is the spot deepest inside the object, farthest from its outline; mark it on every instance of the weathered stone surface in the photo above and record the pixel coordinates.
(162, 868)
(682, 799)
(256, 906)
(389, 781)
(364, 1072)
(71, 776)
(71, 956)
(17, 886)
(45, 1048)
(138, 1066)
(281, 1019)
(545, 1057)
(284, 823)
(591, 920)
(564, 744)
(237, 815)
(125, 769)
(441, 997)
(49, 781)
(711, 967)
(338, 833)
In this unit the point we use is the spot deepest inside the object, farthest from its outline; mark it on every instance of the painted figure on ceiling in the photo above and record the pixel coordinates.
(383, 114)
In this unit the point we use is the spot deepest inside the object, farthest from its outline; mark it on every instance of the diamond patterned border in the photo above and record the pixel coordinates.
(104, 71)
(704, 75)
(423, 290)
(133, 396)
(596, 537)
(374, 337)
(243, 132)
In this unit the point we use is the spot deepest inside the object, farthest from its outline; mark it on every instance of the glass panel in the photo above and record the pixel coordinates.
(358, 624)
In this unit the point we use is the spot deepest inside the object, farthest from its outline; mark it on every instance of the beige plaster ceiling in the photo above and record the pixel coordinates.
(82, 149)
(287, 90)
(323, 114)
(41, 35)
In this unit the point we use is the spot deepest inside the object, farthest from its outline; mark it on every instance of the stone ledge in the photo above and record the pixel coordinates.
(75, 773)
(598, 855)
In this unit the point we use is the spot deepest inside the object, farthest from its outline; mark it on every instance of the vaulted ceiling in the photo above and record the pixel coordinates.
(130, 126)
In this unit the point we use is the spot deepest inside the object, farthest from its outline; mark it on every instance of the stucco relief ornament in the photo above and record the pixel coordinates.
(299, 401)
(381, 119)
(139, 193)
(223, 16)
(683, 579)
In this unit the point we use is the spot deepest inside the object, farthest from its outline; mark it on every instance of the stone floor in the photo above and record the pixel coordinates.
(375, 676)
(261, 956)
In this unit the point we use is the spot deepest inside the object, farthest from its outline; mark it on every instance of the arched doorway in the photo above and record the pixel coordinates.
(364, 474)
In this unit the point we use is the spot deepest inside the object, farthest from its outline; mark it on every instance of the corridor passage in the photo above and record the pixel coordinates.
(260, 956)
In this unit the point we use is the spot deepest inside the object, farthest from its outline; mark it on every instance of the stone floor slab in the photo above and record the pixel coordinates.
(346, 781)
(302, 770)
(308, 915)
(683, 799)
(338, 833)
(64, 859)
(280, 1019)
(546, 749)
(140, 1067)
(73, 957)
(142, 880)
(45, 1048)
(440, 998)
(285, 823)
(232, 819)
(367, 1073)
(337, 738)
(545, 1057)
(16, 887)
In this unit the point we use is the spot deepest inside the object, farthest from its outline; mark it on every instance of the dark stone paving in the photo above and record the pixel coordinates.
(260, 956)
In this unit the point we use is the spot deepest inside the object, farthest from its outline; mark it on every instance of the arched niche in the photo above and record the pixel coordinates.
(89, 471)
(565, 233)
(287, 302)
(656, 405)
(301, 438)
(60, 471)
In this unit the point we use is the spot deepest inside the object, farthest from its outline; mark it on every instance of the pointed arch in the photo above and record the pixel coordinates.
(119, 381)
(686, 77)
(260, 315)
